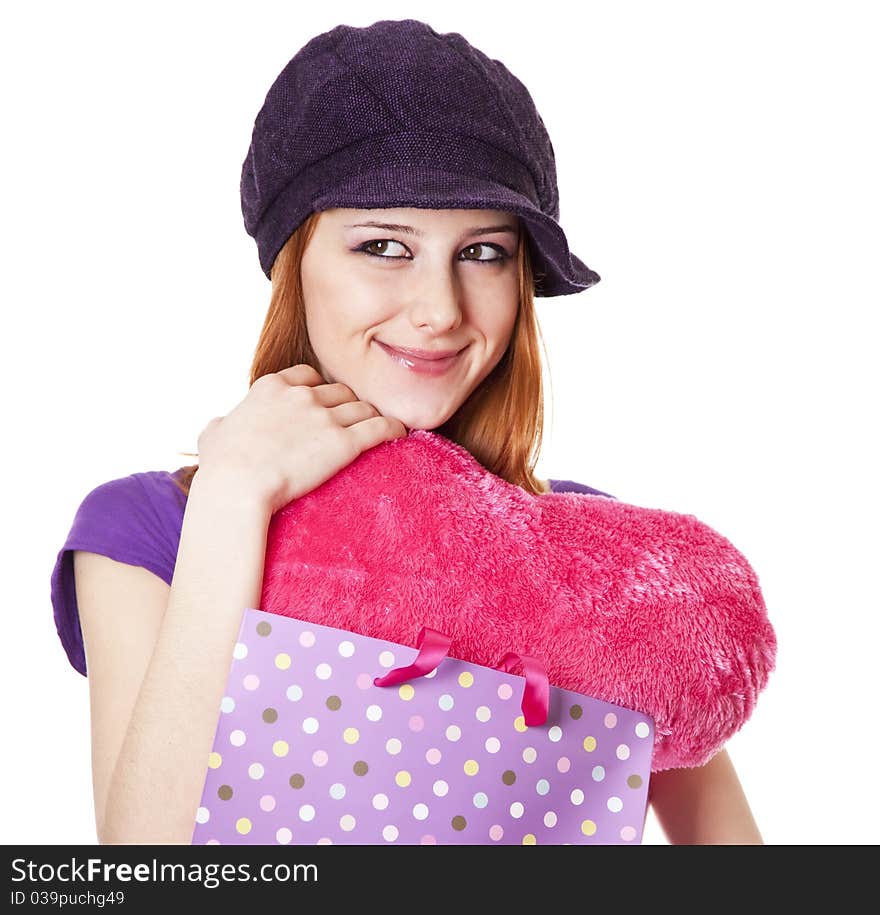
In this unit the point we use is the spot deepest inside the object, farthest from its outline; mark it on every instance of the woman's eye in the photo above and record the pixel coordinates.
(499, 253)
(382, 245)
(378, 241)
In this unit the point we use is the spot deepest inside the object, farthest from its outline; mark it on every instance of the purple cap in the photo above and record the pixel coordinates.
(398, 115)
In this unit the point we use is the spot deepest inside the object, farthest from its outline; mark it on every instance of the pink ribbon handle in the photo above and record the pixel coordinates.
(536, 694)
(433, 647)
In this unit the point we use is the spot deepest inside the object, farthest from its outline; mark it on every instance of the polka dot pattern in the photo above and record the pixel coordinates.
(309, 751)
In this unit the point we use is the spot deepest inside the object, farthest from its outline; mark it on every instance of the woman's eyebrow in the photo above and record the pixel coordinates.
(409, 230)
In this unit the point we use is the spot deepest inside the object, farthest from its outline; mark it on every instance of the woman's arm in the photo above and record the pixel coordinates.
(705, 805)
(161, 760)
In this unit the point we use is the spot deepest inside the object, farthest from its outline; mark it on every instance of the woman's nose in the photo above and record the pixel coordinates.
(437, 299)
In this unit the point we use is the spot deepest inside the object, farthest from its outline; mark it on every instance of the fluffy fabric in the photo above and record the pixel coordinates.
(645, 608)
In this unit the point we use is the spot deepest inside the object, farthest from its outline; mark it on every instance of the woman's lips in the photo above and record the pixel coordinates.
(421, 366)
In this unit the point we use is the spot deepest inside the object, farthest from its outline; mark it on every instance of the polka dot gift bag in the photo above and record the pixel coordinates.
(329, 737)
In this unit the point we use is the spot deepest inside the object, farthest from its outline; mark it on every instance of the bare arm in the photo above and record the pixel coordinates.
(159, 770)
(705, 805)
(120, 611)
(159, 672)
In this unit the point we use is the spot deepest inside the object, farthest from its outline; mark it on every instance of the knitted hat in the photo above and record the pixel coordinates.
(398, 115)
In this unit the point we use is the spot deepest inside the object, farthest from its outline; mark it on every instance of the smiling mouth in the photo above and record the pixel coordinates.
(423, 354)
(433, 366)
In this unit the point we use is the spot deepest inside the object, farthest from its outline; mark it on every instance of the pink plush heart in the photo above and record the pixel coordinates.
(645, 608)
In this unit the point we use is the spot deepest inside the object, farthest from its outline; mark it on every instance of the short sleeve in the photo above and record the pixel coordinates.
(135, 520)
(572, 486)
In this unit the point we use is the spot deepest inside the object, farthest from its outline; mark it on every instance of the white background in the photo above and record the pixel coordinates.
(717, 166)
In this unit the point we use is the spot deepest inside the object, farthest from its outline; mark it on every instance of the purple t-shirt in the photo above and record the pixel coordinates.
(137, 520)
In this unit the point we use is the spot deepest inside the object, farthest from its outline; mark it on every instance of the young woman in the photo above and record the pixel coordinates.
(401, 189)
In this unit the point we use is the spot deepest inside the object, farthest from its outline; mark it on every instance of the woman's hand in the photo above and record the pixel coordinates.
(290, 433)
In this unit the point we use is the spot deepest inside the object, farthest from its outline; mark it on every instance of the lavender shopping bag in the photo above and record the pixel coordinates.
(310, 750)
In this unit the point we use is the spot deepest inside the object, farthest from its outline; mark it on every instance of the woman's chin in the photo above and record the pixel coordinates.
(416, 419)
(425, 425)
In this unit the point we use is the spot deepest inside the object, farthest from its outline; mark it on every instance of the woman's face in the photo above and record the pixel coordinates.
(436, 280)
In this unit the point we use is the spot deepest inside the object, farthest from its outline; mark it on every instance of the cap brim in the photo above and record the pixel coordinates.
(557, 271)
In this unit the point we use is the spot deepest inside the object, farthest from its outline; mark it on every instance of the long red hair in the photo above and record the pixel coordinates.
(500, 423)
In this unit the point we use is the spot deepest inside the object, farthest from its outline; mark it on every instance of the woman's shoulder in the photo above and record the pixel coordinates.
(574, 486)
(135, 519)
(146, 506)
(151, 490)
